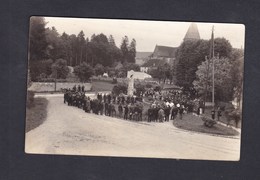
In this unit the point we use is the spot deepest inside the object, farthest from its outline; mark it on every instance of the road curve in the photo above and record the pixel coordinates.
(69, 130)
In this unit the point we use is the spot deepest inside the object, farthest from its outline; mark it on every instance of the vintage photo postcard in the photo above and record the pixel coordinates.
(134, 88)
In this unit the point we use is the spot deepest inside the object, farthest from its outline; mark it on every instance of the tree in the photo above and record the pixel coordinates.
(83, 71)
(99, 69)
(74, 49)
(60, 69)
(132, 52)
(237, 74)
(189, 56)
(111, 41)
(37, 39)
(56, 48)
(124, 49)
(223, 48)
(223, 78)
(120, 88)
(80, 47)
(37, 45)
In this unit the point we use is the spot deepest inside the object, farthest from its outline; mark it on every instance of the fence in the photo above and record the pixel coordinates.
(50, 86)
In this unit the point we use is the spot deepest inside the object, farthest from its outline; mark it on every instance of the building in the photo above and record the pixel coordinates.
(165, 54)
(138, 75)
(142, 57)
(192, 33)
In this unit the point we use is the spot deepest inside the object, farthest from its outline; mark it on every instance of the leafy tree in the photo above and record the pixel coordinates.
(223, 78)
(124, 49)
(222, 48)
(99, 69)
(60, 69)
(84, 71)
(155, 73)
(80, 47)
(37, 39)
(55, 50)
(132, 52)
(38, 46)
(237, 61)
(111, 41)
(189, 56)
(120, 88)
(74, 49)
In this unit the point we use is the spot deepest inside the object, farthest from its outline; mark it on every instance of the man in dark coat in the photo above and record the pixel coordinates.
(120, 110)
(109, 98)
(109, 109)
(167, 113)
(126, 109)
(150, 113)
(101, 107)
(106, 108)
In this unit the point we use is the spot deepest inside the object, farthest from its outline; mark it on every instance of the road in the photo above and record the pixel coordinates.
(69, 130)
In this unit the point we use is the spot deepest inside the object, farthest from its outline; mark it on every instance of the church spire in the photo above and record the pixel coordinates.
(192, 33)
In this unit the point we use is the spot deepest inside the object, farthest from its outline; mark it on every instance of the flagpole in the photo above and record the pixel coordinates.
(213, 70)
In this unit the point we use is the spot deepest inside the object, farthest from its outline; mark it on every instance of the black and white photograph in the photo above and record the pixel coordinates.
(134, 88)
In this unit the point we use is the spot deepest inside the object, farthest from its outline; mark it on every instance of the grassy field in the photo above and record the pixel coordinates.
(36, 114)
(102, 86)
(194, 123)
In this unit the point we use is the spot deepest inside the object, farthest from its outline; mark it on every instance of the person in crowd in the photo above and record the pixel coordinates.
(105, 98)
(106, 108)
(161, 115)
(126, 109)
(120, 110)
(149, 114)
(181, 111)
(79, 88)
(219, 113)
(101, 107)
(213, 112)
(109, 98)
(167, 110)
(74, 88)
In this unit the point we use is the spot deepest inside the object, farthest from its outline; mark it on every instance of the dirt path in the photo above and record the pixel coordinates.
(69, 130)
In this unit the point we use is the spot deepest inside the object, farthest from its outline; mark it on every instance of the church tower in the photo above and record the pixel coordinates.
(192, 33)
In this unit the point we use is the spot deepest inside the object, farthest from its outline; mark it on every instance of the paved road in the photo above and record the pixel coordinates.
(69, 130)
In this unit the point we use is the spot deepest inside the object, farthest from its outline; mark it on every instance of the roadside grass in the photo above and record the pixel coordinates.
(194, 123)
(36, 114)
(102, 86)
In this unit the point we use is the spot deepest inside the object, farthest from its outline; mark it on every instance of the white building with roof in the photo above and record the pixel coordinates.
(138, 75)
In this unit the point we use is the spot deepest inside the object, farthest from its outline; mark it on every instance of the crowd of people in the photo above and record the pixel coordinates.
(121, 106)
(165, 106)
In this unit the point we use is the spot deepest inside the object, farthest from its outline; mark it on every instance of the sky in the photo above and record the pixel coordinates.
(147, 34)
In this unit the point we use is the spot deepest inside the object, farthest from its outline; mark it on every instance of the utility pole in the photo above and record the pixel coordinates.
(206, 83)
(213, 70)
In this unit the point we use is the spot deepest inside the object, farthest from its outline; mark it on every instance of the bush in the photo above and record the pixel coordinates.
(84, 72)
(208, 122)
(119, 88)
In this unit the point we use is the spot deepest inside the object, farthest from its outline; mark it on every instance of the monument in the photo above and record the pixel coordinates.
(130, 90)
